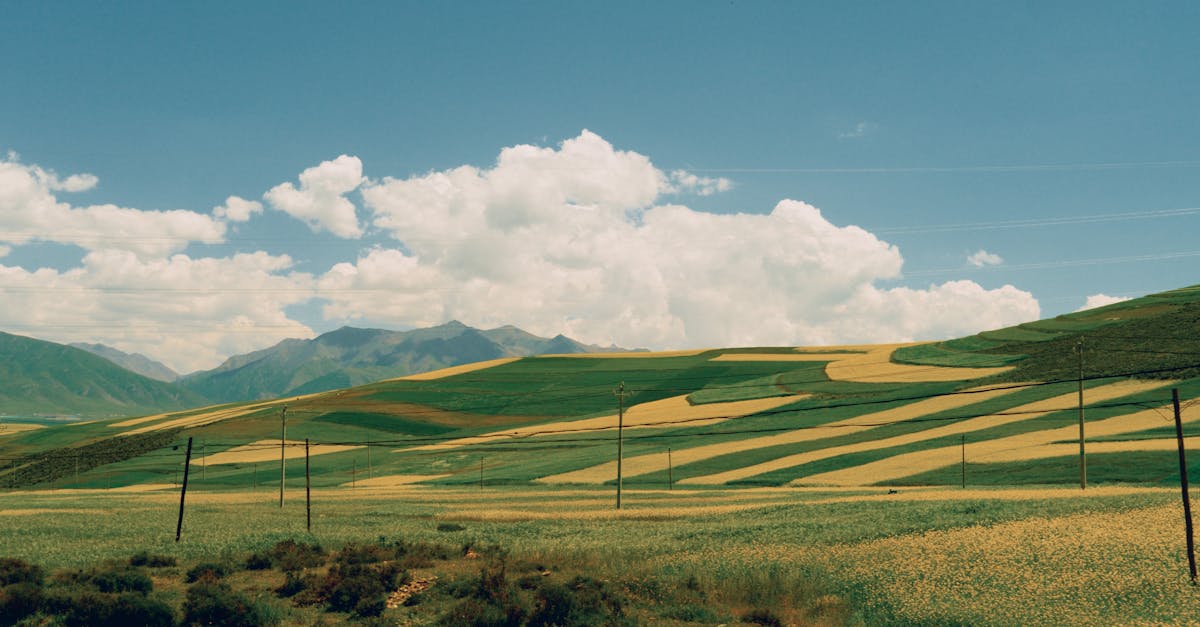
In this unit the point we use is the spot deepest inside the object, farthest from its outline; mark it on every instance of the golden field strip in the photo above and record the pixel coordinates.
(674, 410)
(1026, 446)
(644, 464)
(960, 427)
(267, 451)
(869, 364)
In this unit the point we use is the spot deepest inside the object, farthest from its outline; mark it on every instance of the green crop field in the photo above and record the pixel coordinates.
(758, 481)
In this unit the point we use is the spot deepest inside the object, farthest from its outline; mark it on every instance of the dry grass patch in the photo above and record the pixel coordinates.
(654, 462)
(663, 412)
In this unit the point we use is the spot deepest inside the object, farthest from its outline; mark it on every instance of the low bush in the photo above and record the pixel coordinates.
(215, 603)
(763, 616)
(211, 571)
(290, 555)
(88, 608)
(258, 561)
(13, 570)
(18, 601)
(122, 580)
(142, 558)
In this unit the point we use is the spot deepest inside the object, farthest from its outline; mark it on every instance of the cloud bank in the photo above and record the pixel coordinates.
(582, 238)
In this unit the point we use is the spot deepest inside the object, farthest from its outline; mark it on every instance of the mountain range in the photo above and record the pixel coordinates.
(96, 380)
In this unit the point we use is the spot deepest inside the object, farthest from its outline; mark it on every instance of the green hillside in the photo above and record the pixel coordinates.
(1004, 399)
(43, 378)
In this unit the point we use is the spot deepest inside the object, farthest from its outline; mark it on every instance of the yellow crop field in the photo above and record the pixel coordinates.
(267, 451)
(654, 462)
(1025, 446)
(870, 364)
(456, 370)
(1023, 412)
(673, 410)
(9, 428)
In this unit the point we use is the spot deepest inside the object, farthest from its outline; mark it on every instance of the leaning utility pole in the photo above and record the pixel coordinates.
(1082, 454)
(282, 439)
(1183, 484)
(620, 435)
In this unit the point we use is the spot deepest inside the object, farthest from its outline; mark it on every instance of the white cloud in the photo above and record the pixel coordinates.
(683, 181)
(5, 250)
(1100, 300)
(189, 313)
(320, 200)
(569, 240)
(983, 258)
(30, 211)
(859, 130)
(238, 209)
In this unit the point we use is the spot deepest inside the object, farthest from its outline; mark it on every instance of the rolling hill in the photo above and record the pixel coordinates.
(38, 377)
(1005, 401)
(351, 356)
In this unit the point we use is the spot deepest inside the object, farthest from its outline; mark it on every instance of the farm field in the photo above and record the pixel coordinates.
(806, 555)
(917, 483)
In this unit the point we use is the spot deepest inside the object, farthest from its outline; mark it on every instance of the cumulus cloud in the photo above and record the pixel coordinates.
(571, 240)
(683, 182)
(320, 200)
(983, 258)
(1100, 300)
(30, 211)
(189, 313)
(860, 130)
(238, 209)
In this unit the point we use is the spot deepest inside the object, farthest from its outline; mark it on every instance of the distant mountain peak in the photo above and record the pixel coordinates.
(133, 362)
(356, 356)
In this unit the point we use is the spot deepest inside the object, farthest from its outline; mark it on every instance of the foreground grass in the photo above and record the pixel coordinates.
(1110, 555)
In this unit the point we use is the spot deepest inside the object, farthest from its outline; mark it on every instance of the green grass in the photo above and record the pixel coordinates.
(943, 355)
(1133, 467)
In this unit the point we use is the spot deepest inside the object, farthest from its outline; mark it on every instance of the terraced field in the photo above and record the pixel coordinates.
(731, 449)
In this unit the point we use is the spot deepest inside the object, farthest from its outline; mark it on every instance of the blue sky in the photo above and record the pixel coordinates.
(1054, 144)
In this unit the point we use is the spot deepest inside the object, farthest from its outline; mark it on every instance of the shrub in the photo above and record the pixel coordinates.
(207, 570)
(87, 607)
(581, 601)
(19, 600)
(143, 558)
(691, 613)
(258, 561)
(290, 555)
(364, 554)
(122, 580)
(763, 616)
(360, 588)
(217, 604)
(450, 527)
(13, 570)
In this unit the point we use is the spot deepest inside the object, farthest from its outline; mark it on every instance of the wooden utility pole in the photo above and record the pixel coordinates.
(1082, 453)
(254, 482)
(670, 471)
(620, 435)
(370, 475)
(354, 474)
(187, 462)
(1183, 485)
(481, 473)
(282, 439)
(307, 490)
